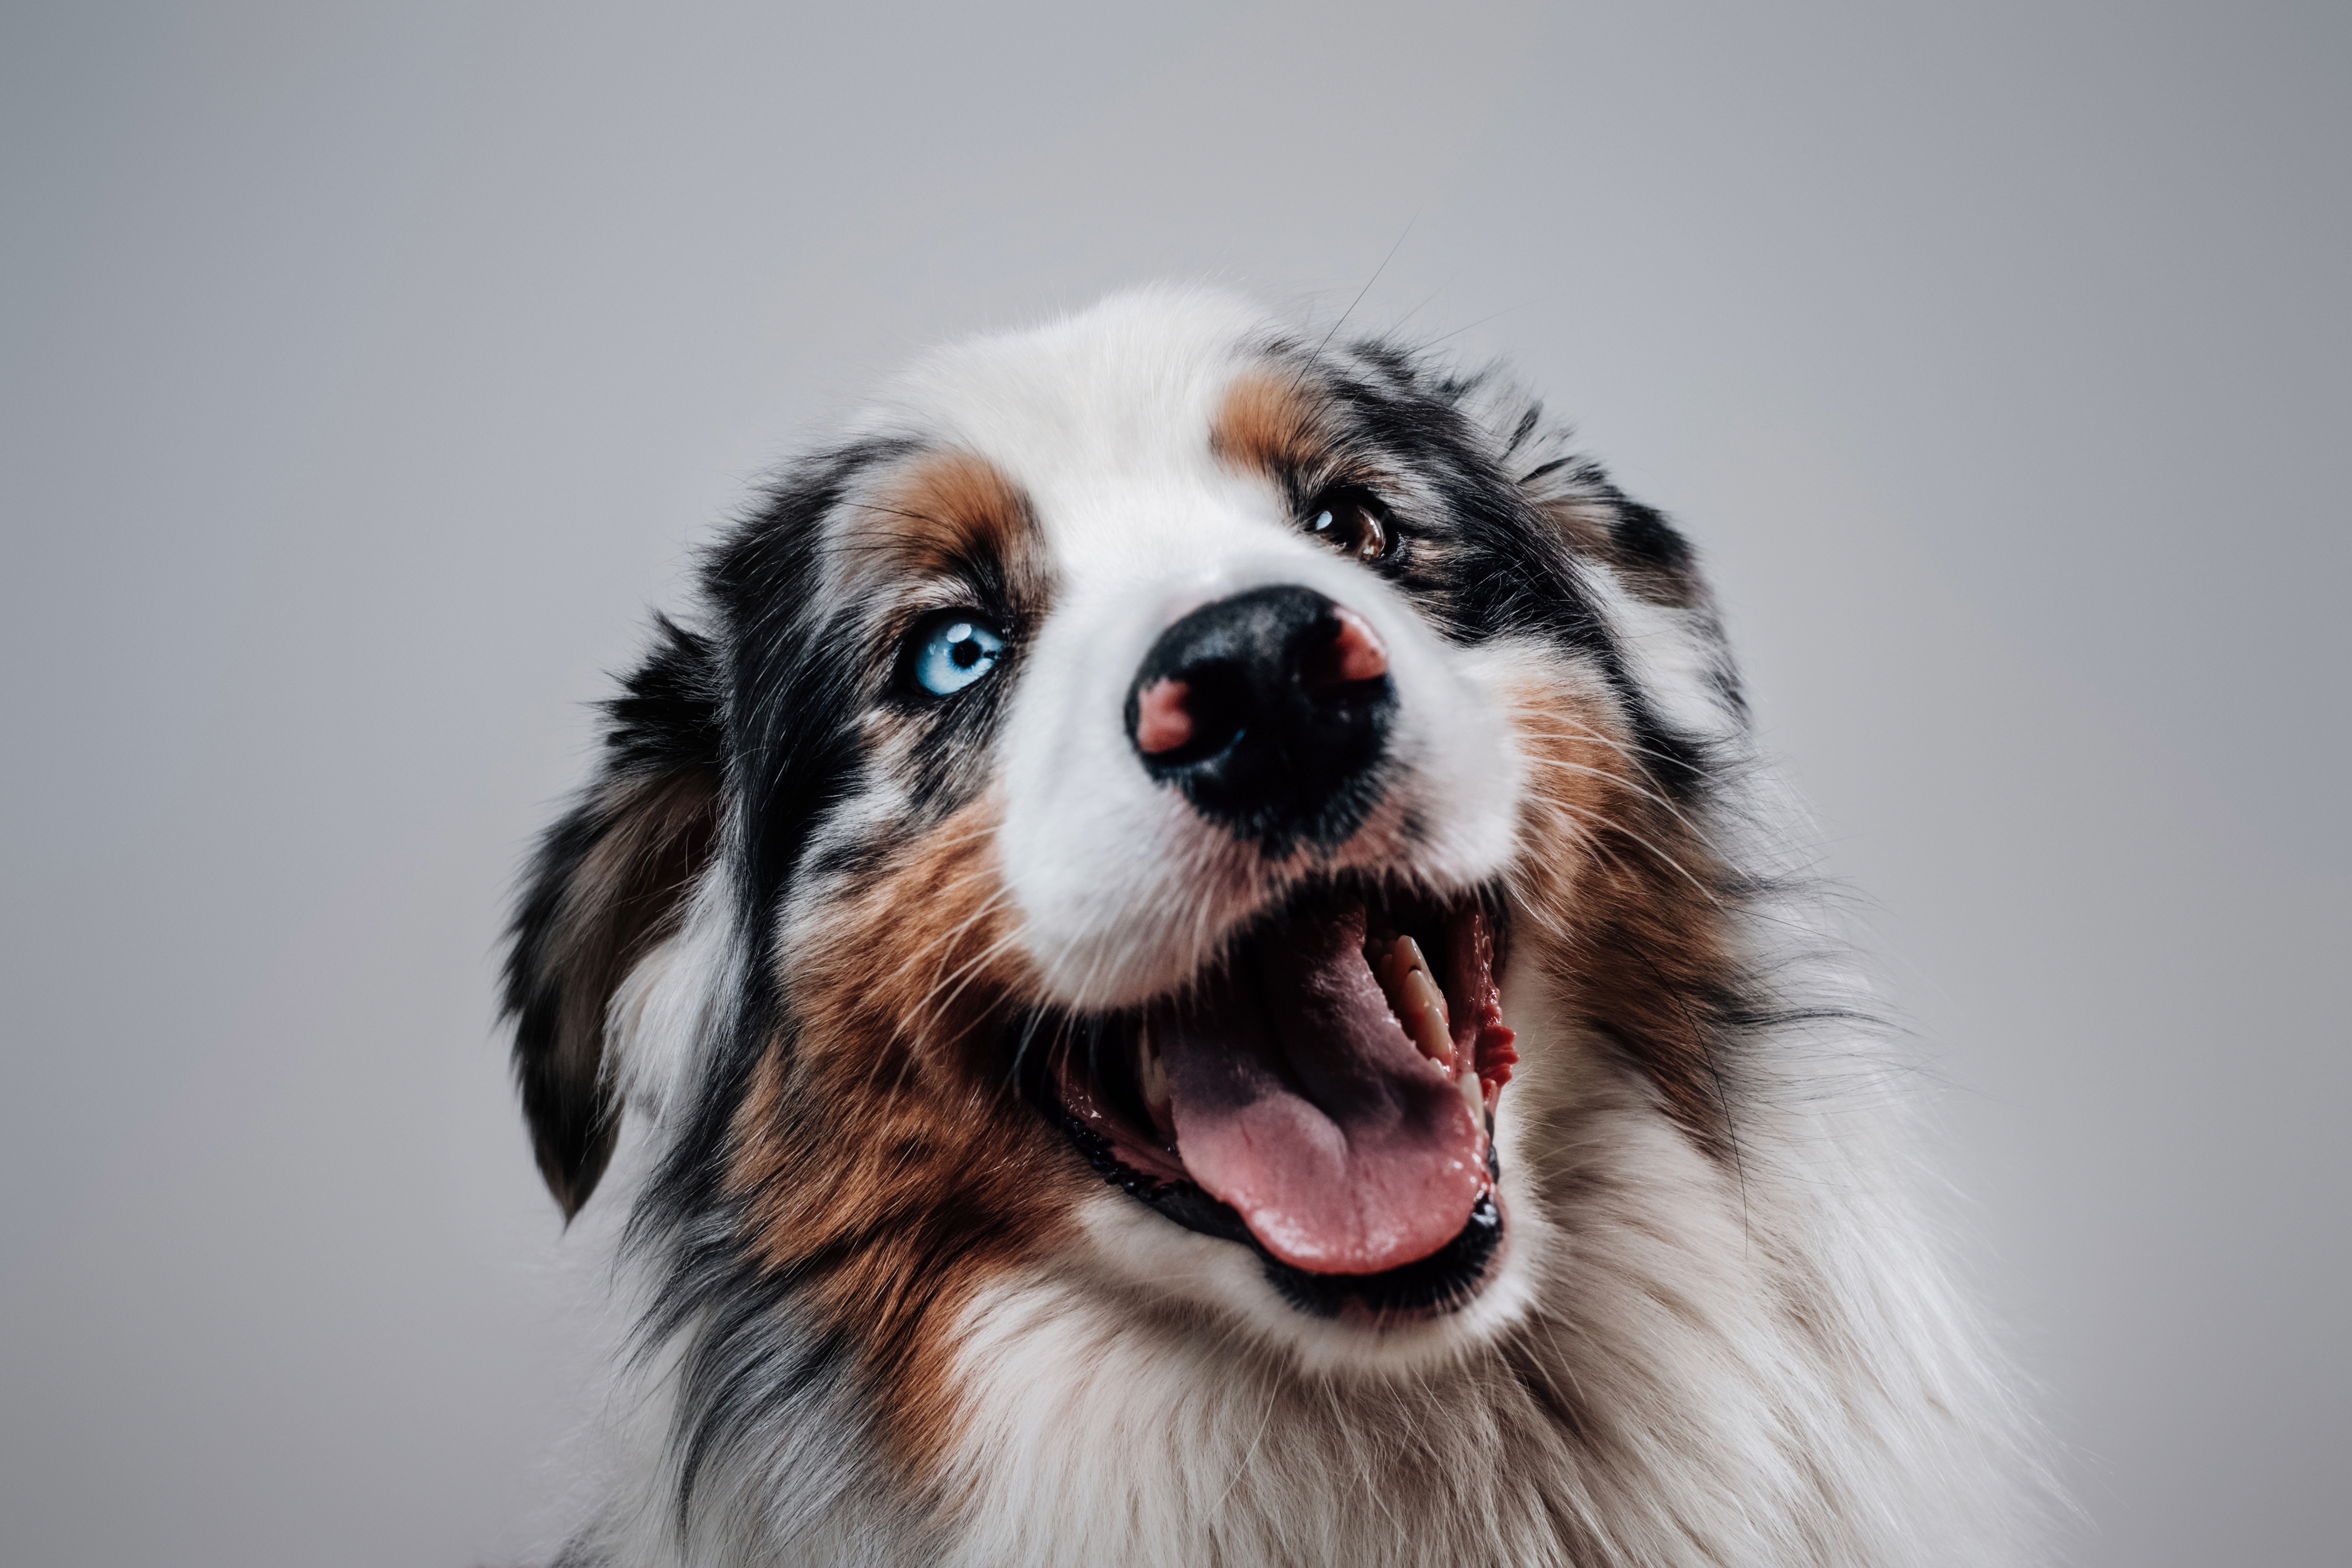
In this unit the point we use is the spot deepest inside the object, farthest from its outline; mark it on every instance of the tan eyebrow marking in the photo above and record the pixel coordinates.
(947, 508)
(1270, 425)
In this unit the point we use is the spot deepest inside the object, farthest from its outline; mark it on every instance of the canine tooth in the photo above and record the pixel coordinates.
(1414, 996)
(1409, 958)
(1407, 954)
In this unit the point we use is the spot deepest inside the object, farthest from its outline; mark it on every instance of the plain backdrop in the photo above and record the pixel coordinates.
(371, 371)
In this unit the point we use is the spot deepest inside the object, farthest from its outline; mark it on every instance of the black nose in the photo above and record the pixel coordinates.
(1270, 711)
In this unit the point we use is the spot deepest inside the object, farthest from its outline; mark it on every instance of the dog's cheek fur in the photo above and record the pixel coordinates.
(1623, 901)
(884, 1160)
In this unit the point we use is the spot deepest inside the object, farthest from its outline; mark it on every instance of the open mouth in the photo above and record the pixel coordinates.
(1325, 1097)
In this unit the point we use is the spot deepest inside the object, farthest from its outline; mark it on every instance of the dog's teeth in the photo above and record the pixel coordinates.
(1414, 996)
(1473, 1095)
(1424, 1016)
(1401, 959)
(1151, 1076)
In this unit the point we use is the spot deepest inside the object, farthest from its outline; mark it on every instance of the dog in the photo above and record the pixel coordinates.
(1190, 962)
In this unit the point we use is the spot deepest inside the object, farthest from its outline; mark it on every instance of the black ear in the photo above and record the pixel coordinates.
(609, 883)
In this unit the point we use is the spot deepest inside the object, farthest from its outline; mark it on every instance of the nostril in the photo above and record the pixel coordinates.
(1162, 722)
(1181, 720)
(1354, 654)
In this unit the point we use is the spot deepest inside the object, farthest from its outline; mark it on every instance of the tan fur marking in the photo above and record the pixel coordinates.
(949, 508)
(884, 1150)
(1627, 907)
(1269, 425)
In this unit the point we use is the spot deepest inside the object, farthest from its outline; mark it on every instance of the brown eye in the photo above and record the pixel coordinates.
(1349, 525)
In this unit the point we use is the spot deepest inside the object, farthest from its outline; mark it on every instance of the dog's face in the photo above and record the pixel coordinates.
(1124, 819)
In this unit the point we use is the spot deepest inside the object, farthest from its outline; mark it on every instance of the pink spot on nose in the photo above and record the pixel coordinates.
(1355, 654)
(1162, 723)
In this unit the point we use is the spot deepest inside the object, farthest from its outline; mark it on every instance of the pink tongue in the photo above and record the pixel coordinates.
(1299, 1100)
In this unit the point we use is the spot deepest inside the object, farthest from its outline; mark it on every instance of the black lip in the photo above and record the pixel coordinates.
(1445, 1281)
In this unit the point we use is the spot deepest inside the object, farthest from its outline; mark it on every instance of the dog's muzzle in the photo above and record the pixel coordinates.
(1324, 1090)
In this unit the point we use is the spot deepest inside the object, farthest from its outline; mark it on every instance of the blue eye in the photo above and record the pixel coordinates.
(948, 652)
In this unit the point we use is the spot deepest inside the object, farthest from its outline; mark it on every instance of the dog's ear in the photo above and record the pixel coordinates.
(1591, 516)
(608, 884)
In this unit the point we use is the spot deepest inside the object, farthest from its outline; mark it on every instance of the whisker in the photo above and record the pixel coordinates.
(918, 1016)
(1613, 826)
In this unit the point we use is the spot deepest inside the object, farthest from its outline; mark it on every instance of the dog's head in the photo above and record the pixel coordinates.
(1123, 817)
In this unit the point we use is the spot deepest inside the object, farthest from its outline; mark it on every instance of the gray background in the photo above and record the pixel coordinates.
(369, 372)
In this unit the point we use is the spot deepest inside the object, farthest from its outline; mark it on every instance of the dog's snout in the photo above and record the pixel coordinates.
(1270, 711)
